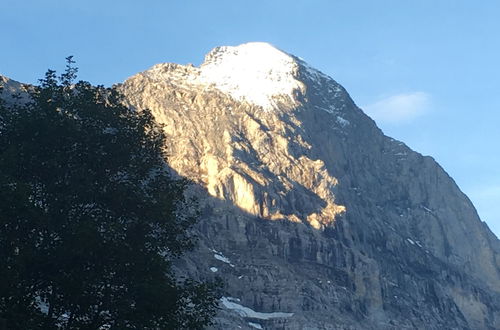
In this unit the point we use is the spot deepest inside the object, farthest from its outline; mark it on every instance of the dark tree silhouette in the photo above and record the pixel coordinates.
(90, 218)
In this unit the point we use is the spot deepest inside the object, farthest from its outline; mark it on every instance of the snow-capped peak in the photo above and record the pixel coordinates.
(256, 72)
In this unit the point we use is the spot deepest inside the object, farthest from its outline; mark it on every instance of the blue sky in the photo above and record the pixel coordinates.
(427, 71)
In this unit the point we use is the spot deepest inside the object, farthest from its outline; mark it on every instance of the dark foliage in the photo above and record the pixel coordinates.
(89, 216)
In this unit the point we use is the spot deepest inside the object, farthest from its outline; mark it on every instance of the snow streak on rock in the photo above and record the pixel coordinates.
(243, 311)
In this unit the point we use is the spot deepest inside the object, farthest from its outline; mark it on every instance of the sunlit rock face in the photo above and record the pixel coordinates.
(322, 221)
(232, 128)
(12, 92)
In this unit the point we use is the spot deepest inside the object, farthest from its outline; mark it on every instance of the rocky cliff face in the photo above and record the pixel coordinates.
(12, 91)
(313, 218)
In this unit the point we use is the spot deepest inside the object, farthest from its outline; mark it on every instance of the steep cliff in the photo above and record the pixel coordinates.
(314, 218)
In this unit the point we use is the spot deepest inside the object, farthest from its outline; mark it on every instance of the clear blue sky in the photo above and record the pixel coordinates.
(428, 71)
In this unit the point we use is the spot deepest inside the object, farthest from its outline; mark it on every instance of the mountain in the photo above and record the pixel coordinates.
(313, 217)
(12, 91)
(309, 209)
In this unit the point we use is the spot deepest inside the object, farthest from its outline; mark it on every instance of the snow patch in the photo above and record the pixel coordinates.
(339, 119)
(329, 110)
(412, 242)
(427, 209)
(342, 122)
(214, 269)
(243, 311)
(313, 73)
(256, 72)
(255, 325)
(222, 258)
(42, 305)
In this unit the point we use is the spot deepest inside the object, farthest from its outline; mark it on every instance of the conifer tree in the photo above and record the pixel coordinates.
(90, 218)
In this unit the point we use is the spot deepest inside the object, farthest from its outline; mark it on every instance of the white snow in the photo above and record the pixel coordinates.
(255, 72)
(42, 305)
(329, 110)
(243, 311)
(255, 325)
(222, 258)
(412, 242)
(312, 72)
(343, 122)
(339, 119)
(427, 209)
(214, 269)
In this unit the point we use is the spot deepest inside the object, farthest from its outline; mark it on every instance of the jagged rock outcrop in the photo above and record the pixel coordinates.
(312, 217)
(12, 91)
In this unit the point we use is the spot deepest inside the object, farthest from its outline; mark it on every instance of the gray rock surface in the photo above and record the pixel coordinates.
(309, 209)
